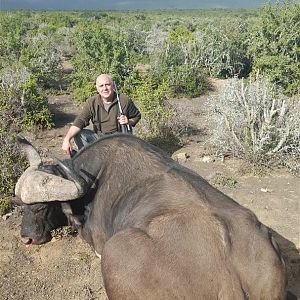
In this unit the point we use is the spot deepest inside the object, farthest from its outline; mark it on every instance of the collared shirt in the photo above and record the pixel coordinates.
(105, 121)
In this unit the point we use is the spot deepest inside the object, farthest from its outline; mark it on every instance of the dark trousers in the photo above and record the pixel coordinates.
(85, 137)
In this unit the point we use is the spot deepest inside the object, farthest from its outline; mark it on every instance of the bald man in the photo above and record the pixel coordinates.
(103, 111)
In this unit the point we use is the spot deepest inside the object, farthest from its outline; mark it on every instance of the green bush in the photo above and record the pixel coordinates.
(149, 93)
(275, 45)
(36, 108)
(180, 34)
(98, 50)
(25, 39)
(162, 124)
(21, 106)
(12, 166)
(187, 54)
(222, 47)
(186, 81)
(21, 102)
(177, 63)
(41, 56)
(13, 27)
(4, 205)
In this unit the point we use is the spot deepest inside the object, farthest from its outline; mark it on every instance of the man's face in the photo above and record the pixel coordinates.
(105, 88)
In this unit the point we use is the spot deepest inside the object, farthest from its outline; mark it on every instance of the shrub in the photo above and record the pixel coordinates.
(275, 45)
(256, 122)
(224, 181)
(12, 29)
(222, 47)
(41, 55)
(177, 63)
(21, 102)
(161, 122)
(154, 41)
(186, 55)
(31, 42)
(4, 205)
(21, 106)
(99, 50)
(12, 166)
(149, 94)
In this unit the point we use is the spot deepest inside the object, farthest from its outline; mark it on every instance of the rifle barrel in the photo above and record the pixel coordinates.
(124, 127)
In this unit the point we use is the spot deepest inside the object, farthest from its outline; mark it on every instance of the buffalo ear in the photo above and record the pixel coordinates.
(30, 152)
(73, 220)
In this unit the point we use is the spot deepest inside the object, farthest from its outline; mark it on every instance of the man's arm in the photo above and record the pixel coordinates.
(66, 146)
(134, 114)
(81, 121)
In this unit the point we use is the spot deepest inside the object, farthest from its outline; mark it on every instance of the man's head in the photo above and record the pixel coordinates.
(104, 86)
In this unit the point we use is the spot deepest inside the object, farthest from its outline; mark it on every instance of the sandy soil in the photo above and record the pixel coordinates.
(67, 268)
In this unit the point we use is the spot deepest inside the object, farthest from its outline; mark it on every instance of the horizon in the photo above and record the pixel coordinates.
(108, 5)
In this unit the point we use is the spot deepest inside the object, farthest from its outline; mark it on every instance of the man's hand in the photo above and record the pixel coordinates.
(66, 146)
(123, 120)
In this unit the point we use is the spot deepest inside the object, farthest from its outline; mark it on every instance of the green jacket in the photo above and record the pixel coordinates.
(106, 121)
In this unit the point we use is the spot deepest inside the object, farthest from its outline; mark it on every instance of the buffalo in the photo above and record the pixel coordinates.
(162, 231)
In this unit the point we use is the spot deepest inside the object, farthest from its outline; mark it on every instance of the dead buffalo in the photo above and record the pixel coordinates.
(163, 231)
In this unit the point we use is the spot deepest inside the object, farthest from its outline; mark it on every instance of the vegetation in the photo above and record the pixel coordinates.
(156, 56)
(274, 45)
(256, 122)
(21, 107)
(224, 181)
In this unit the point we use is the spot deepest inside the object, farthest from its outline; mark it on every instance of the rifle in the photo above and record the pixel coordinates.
(126, 128)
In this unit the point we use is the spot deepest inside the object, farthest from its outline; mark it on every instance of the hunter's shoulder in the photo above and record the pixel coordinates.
(124, 98)
(93, 99)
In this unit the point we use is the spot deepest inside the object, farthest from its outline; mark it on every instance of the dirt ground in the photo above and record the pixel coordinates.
(67, 268)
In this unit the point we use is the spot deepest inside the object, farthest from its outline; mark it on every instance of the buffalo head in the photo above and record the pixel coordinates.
(38, 221)
(44, 192)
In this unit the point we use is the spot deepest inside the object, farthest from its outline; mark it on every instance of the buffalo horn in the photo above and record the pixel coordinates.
(37, 186)
(80, 183)
(31, 153)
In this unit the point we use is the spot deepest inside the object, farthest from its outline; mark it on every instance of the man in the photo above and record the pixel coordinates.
(103, 111)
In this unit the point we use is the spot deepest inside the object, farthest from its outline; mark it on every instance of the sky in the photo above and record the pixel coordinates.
(128, 4)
